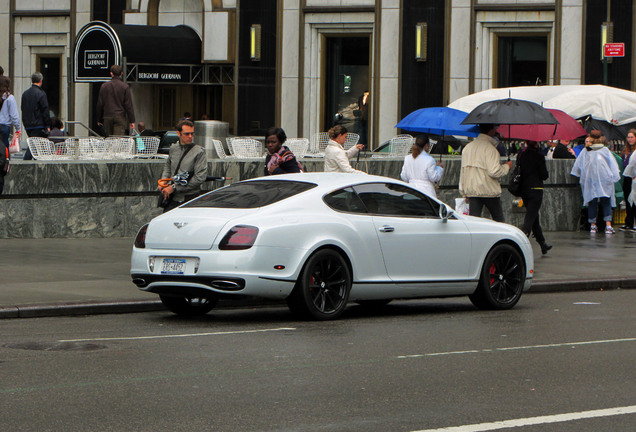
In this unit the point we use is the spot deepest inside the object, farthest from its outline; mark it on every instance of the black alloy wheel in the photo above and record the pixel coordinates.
(188, 306)
(322, 291)
(502, 278)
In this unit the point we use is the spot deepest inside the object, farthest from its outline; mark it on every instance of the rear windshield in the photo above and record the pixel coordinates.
(252, 194)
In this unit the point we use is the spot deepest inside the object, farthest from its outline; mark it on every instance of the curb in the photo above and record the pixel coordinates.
(79, 308)
(136, 306)
(582, 285)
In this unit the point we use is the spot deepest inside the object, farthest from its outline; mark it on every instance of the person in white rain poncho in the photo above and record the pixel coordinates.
(597, 170)
(420, 169)
(630, 171)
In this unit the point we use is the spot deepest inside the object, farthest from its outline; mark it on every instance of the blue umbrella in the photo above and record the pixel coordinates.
(438, 121)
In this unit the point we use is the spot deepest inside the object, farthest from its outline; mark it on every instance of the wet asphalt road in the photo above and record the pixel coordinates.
(416, 365)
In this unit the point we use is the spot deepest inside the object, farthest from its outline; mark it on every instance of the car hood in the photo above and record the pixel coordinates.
(192, 228)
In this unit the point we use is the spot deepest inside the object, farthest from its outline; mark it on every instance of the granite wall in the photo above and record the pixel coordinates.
(114, 198)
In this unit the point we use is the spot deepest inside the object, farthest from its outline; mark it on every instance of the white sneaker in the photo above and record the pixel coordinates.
(593, 229)
(609, 230)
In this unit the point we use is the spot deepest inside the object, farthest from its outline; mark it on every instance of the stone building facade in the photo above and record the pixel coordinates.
(307, 64)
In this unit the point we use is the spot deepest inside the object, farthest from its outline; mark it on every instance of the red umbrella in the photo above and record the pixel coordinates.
(567, 129)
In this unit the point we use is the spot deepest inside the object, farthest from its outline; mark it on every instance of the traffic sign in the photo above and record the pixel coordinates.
(614, 49)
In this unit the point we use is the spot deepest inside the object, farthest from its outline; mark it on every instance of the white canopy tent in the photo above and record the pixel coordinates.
(610, 104)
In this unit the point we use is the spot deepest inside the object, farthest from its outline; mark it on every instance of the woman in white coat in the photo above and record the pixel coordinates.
(336, 157)
(420, 169)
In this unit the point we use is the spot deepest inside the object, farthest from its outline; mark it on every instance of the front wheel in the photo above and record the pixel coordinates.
(188, 306)
(502, 278)
(322, 291)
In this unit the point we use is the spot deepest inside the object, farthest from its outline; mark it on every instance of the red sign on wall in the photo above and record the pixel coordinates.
(614, 49)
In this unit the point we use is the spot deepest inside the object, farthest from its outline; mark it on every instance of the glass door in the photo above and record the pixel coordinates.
(522, 61)
(347, 84)
(51, 83)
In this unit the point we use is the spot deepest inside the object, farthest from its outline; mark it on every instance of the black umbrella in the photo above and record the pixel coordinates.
(609, 131)
(508, 112)
(441, 147)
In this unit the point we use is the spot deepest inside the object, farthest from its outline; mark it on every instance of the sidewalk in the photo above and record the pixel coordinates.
(49, 277)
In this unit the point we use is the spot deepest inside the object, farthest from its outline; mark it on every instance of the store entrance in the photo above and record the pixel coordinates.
(347, 84)
(51, 82)
(523, 61)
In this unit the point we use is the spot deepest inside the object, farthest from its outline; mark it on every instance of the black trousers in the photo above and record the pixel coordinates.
(476, 205)
(629, 209)
(38, 132)
(174, 204)
(532, 200)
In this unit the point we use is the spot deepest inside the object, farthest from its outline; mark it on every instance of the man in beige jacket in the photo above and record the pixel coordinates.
(480, 173)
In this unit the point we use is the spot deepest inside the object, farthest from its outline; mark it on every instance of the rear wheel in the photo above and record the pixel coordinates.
(322, 291)
(502, 278)
(188, 306)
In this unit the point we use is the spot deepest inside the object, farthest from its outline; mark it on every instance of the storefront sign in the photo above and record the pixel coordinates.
(96, 59)
(96, 50)
(163, 74)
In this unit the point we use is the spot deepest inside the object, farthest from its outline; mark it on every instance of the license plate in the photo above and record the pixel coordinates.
(173, 266)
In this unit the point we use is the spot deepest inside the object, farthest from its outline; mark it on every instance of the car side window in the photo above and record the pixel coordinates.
(387, 199)
(345, 200)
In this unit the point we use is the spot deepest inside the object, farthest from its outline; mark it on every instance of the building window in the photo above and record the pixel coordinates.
(522, 61)
(109, 11)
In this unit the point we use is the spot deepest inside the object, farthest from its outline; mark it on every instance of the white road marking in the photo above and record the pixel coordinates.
(530, 421)
(517, 348)
(182, 335)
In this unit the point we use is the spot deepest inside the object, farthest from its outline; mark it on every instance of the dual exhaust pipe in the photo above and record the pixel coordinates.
(220, 284)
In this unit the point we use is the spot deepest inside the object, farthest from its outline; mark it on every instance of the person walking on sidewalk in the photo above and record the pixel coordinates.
(114, 104)
(420, 170)
(35, 111)
(628, 151)
(533, 172)
(597, 170)
(184, 156)
(480, 173)
(8, 117)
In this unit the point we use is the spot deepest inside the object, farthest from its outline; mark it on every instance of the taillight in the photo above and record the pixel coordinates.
(140, 240)
(239, 237)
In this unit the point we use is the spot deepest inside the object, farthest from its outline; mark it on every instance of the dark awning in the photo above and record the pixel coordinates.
(99, 46)
(159, 44)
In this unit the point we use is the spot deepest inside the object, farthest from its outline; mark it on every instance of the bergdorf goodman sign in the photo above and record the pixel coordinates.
(165, 74)
(97, 48)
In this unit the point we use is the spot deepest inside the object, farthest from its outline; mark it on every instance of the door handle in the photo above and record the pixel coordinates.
(387, 228)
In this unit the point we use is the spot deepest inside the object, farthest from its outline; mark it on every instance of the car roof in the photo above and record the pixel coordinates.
(329, 180)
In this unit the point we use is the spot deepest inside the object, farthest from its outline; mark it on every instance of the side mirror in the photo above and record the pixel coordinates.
(444, 213)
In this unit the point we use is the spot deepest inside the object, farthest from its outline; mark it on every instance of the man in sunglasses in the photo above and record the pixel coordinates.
(184, 156)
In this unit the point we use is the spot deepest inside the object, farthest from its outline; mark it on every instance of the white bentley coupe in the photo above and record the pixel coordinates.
(321, 240)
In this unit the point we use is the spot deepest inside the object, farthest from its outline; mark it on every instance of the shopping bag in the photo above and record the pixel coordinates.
(141, 146)
(461, 206)
(14, 145)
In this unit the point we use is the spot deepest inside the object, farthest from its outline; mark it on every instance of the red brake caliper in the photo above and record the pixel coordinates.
(492, 271)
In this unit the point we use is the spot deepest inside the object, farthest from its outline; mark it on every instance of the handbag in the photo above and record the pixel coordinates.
(514, 185)
(14, 146)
